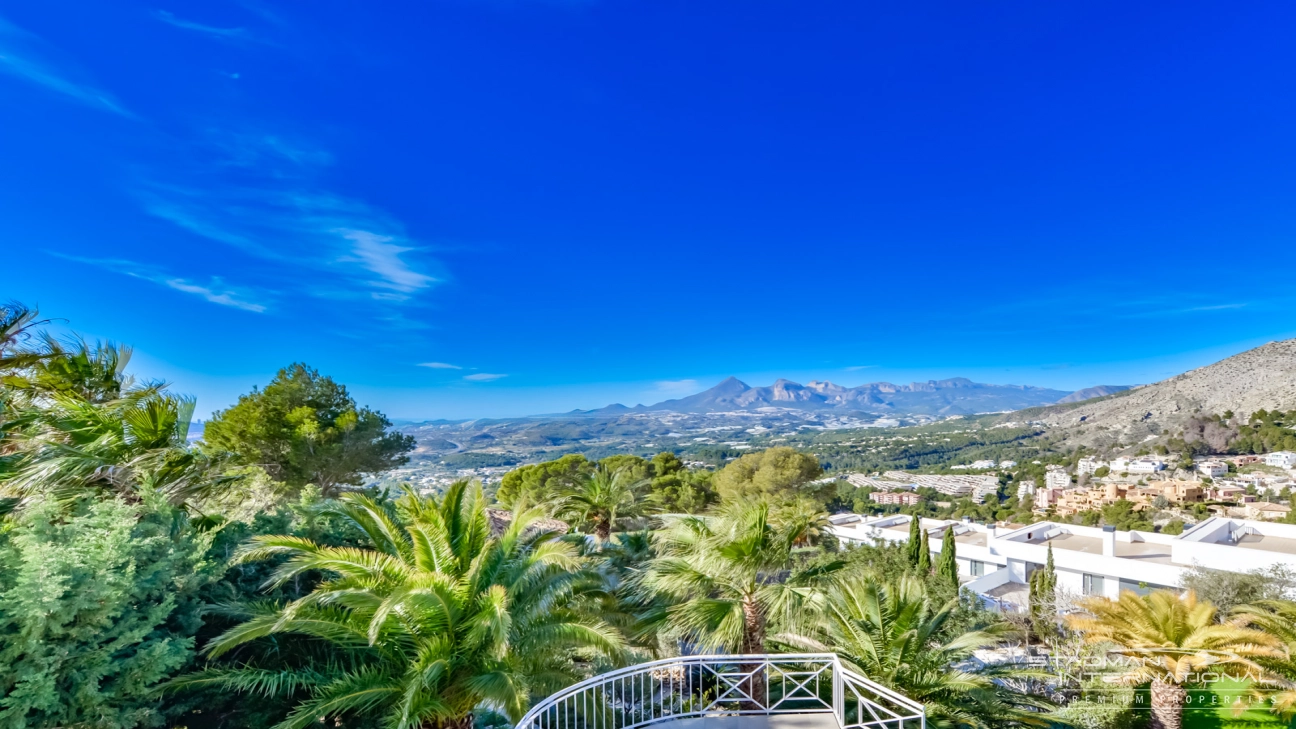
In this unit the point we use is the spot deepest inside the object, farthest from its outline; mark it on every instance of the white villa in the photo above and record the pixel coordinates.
(996, 562)
(1281, 459)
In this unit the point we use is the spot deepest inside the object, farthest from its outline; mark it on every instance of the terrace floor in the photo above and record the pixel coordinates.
(1268, 544)
(758, 721)
(1142, 551)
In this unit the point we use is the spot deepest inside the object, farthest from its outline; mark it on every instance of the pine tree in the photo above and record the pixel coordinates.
(915, 540)
(924, 555)
(947, 566)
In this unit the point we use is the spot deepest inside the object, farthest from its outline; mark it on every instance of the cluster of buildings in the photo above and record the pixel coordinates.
(889, 487)
(1226, 494)
(996, 561)
(985, 465)
(900, 498)
(1066, 502)
(1142, 465)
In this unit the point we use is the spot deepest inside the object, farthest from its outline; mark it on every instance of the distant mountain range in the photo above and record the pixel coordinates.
(956, 396)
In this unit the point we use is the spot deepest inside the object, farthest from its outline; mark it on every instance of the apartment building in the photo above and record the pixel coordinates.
(971, 540)
(996, 562)
(1056, 477)
(902, 498)
(1281, 459)
(974, 487)
(1212, 469)
(1046, 497)
(859, 480)
(1089, 464)
(1143, 465)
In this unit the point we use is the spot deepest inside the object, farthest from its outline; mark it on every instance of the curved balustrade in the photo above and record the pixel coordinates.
(720, 686)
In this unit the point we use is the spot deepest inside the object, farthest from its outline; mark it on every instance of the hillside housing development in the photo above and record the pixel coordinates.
(996, 561)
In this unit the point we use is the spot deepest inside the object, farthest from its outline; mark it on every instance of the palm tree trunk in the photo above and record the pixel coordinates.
(753, 641)
(1167, 705)
(603, 530)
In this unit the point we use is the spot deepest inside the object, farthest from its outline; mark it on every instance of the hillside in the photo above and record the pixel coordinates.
(1090, 393)
(956, 396)
(1261, 378)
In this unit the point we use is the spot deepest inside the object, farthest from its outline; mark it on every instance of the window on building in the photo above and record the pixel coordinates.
(1093, 585)
(978, 568)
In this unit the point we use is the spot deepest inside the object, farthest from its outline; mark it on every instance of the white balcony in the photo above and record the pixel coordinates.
(785, 691)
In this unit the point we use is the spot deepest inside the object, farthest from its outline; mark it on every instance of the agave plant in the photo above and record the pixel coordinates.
(434, 620)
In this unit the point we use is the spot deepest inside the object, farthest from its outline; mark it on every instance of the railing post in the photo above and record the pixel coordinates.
(839, 693)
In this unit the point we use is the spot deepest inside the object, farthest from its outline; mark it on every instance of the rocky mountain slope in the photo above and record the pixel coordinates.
(957, 396)
(1261, 378)
(1090, 393)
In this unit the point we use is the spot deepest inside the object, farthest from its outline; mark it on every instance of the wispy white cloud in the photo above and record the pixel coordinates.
(440, 366)
(21, 56)
(1217, 307)
(856, 368)
(483, 377)
(383, 258)
(224, 298)
(214, 290)
(674, 387)
(208, 30)
(260, 194)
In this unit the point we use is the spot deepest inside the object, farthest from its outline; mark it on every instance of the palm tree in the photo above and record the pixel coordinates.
(1167, 639)
(893, 634)
(601, 498)
(1277, 618)
(70, 446)
(435, 619)
(728, 575)
(16, 324)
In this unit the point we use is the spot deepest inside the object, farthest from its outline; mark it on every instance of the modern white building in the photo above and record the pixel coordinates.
(1146, 465)
(1007, 464)
(971, 551)
(1025, 487)
(1056, 477)
(1089, 464)
(1281, 459)
(1213, 469)
(982, 464)
(997, 562)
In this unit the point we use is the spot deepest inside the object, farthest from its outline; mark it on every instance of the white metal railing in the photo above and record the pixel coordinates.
(715, 686)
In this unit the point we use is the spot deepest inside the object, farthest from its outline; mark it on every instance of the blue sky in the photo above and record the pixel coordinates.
(469, 208)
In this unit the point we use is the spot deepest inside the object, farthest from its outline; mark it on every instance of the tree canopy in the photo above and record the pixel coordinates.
(304, 428)
(774, 475)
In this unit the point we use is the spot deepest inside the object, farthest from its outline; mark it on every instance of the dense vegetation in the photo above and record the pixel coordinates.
(249, 581)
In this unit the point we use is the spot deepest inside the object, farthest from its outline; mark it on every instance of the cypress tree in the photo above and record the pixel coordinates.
(924, 556)
(915, 540)
(1043, 599)
(946, 566)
